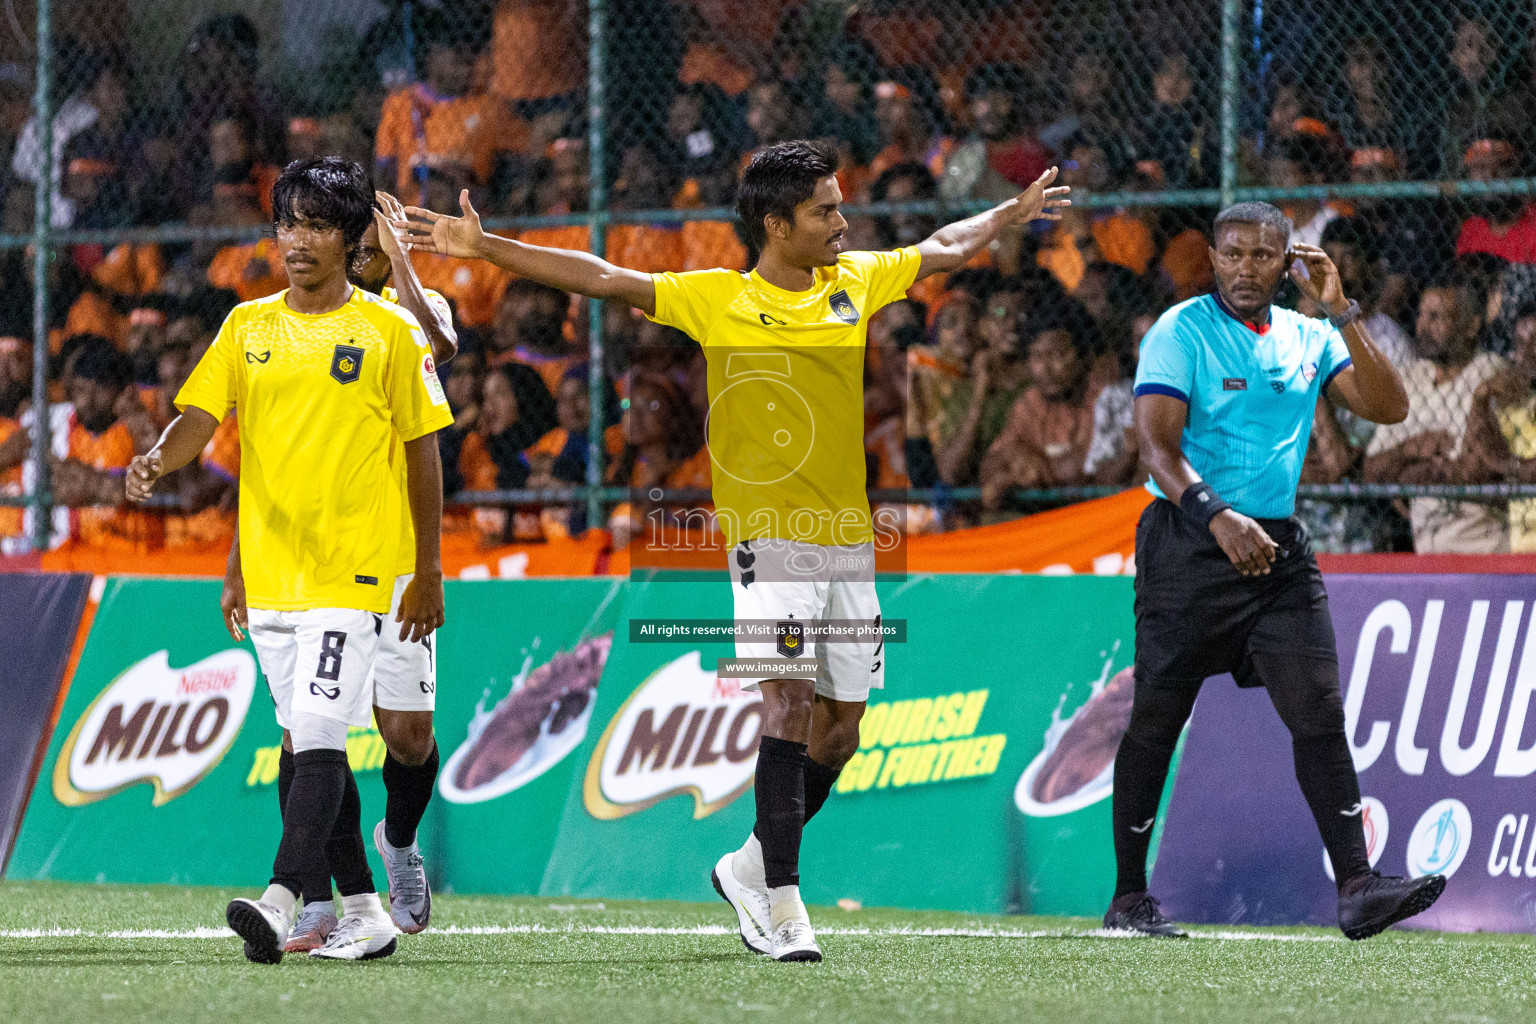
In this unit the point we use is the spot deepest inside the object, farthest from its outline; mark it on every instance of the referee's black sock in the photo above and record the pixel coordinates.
(314, 800)
(1305, 692)
(409, 788)
(347, 857)
(819, 780)
(1141, 770)
(781, 808)
(315, 889)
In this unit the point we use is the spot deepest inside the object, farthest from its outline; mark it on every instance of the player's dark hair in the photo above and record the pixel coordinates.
(1261, 214)
(97, 359)
(327, 190)
(780, 178)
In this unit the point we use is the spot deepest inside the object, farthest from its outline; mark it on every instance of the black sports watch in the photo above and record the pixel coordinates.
(1349, 316)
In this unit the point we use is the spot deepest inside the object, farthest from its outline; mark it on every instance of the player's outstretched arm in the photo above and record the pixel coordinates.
(182, 442)
(952, 246)
(436, 324)
(565, 269)
(421, 606)
(1160, 434)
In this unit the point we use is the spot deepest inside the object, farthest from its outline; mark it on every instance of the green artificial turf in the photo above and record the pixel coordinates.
(525, 959)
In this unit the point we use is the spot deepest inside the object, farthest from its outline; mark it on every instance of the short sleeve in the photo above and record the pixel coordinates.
(1335, 356)
(211, 386)
(416, 399)
(692, 301)
(887, 275)
(1167, 365)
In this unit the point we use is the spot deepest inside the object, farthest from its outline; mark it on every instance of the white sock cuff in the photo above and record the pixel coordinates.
(784, 904)
(281, 897)
(365, 904)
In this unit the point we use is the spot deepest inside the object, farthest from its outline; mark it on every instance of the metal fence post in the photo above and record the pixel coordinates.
(1231, 55)
(42, 500)
(597, 207)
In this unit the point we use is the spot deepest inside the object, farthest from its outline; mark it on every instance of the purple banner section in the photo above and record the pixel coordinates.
(1438, 674)
(39, 613)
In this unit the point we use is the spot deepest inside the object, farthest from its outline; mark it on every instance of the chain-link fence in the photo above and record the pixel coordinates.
(1396, 135)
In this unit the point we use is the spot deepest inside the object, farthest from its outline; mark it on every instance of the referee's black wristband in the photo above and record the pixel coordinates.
(1201, 503)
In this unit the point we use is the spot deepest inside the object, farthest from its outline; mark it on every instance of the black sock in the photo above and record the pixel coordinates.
(345, 853)
(819, 780)
(315, 889)
(1305, 692)
(1141, 771)
(780, 788)
(314, 799)
(284, 778)
(409, 788)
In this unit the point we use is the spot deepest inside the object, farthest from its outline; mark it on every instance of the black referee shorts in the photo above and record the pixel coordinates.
(1197, 617)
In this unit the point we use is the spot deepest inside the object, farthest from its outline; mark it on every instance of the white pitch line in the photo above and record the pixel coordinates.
(703, 929)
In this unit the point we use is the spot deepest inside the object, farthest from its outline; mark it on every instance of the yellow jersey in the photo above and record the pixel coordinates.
(785, 428)
(407, 561)
(320, 400)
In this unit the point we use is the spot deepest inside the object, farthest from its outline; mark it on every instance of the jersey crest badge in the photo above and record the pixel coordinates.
(1309, 371)
(346, 363)
(843, 308)
(791, 637)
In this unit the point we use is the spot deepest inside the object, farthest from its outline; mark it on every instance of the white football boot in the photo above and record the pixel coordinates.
(750, 903)
(263, 925)
(368, 934)
(410, 898)
(313, 927)
(795, 942)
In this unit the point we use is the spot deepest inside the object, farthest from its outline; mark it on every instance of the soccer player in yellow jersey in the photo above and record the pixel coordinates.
(325, 378)
(785, 351)
(404, 673)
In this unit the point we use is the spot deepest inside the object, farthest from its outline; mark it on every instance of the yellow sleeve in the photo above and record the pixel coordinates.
(886, 275)
(416, 400)
(692, 301)
(211, 385)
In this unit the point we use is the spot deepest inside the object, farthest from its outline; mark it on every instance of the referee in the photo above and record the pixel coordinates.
(1225, 576)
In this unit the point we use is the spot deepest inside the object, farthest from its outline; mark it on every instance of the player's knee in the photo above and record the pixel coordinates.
(840, 743)
(407, 735)
(787, 710)
(313, 732)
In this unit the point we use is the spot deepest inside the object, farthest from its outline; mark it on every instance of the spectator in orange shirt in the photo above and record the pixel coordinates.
(559, 458)
(644, 184)
(1049, 428)
(252, 270)
(515, 411)
(909, 132)
(233, 158)
(438, 124)
(530, 329)
(101, 443)
(1082, 236)
(845, 112)
(664, 447)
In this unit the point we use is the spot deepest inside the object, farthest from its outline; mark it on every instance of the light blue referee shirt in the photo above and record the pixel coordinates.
(1250, 391)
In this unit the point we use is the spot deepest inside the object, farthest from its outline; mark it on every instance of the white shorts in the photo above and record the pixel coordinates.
(780, 580)
(404, 673)
(317, 661)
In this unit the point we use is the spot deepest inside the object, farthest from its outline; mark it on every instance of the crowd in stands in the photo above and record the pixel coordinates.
(1012, 373)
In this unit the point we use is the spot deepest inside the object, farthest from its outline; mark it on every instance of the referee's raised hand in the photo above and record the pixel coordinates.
(1244, 542)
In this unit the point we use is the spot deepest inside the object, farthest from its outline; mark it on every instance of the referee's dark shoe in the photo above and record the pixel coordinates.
(1138, 912)
(1369, 904)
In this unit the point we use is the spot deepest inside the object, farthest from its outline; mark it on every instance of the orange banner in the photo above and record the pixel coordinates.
(1090, 537)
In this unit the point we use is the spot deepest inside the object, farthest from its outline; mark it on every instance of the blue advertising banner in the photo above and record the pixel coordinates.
(39, 613)
(1438, 674)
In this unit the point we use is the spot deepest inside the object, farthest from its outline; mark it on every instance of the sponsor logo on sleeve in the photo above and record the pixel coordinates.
(684, 730)
(429, 378)
(153, 723)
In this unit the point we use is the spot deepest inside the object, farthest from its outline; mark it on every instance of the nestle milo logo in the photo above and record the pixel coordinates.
(165, 726)
(683, 730)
